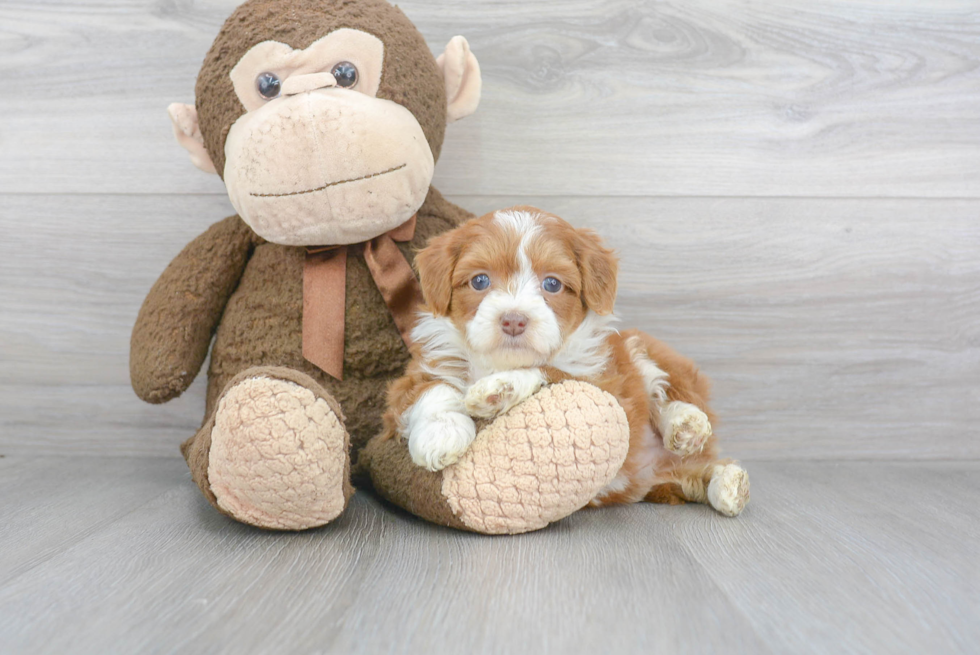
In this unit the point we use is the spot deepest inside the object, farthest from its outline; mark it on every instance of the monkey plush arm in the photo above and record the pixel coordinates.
(180, 314)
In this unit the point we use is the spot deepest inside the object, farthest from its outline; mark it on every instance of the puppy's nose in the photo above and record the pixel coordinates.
(513, 323)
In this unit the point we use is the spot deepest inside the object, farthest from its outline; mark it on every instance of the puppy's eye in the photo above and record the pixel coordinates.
(268, 85)
(480, 282)
(346, 74)
(551, 285)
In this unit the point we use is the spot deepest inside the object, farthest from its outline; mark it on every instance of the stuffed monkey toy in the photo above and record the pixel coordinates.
(324, 119)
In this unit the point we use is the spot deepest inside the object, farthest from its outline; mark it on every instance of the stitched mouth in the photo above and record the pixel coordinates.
(327, 186)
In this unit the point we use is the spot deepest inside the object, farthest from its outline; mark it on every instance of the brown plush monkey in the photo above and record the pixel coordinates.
(325, 119)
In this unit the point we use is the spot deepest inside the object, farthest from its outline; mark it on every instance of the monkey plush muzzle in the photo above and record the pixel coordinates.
(327, 166)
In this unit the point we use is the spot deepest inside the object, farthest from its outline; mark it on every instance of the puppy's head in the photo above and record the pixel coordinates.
(516, 282)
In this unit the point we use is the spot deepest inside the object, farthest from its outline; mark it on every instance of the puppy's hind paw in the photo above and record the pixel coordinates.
(728, 491)
(684, 427)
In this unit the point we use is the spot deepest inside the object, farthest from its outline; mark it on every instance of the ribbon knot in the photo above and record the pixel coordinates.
(325, 294)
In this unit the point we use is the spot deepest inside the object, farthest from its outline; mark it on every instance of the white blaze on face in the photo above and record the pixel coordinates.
(521, 293)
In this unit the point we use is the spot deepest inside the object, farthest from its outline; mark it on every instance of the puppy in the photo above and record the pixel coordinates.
(518, 299)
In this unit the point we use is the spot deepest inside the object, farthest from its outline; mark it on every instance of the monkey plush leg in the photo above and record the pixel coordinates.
(544, 459)
(274, 453)
(723, 484)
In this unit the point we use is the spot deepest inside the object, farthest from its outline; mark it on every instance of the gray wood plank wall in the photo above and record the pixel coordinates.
(792, 187)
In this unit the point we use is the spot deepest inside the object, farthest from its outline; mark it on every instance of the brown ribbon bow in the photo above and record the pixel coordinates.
(325, 287)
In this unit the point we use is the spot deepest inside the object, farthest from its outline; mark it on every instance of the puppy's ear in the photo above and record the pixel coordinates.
(435, 264)
(599, 267)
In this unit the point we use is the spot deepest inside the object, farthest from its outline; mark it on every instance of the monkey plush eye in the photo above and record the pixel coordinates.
(551, 285)
(480, 282)
(346, 74)
(268, 85)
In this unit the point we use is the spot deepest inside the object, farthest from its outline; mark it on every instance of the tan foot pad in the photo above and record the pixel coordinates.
(278, 456)
(539, 462)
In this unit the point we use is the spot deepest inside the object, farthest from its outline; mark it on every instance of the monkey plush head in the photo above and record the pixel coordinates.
(324, 117)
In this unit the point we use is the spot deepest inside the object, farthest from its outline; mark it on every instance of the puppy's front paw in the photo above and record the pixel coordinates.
(437, 443)
(489, 396)
(499, 392)
(685, 428)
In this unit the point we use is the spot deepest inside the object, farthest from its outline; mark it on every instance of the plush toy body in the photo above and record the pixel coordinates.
(325, 119)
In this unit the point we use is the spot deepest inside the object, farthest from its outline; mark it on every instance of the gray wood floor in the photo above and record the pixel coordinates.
(793, 190)
(122, 555)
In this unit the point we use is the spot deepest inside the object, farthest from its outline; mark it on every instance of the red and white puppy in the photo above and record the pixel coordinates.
(518, 299)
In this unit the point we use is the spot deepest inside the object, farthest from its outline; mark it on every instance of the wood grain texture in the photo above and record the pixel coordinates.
(824, 560)
(849, 553)
(51, 504)
(616, 97)
(832, 328)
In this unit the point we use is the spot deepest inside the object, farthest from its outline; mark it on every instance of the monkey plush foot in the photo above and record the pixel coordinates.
(277, 455)
(543, 460)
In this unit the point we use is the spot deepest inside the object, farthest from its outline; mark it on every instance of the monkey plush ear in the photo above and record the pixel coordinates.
(188, 133)
(461, 71)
